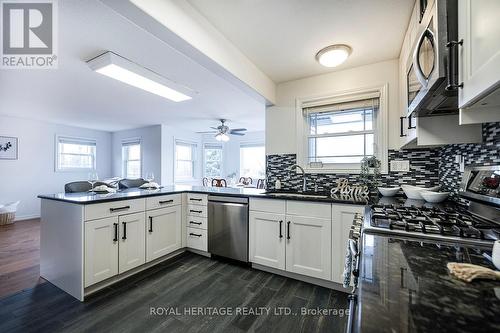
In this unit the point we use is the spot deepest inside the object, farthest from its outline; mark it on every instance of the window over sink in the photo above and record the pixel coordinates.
(336, 132)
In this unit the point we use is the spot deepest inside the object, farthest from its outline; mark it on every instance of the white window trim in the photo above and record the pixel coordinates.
(131, 141)
(381, 125)
(75, 138)
(195, 159)
(219, 146)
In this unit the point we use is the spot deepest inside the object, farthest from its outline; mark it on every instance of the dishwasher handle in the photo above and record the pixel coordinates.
(224, 200)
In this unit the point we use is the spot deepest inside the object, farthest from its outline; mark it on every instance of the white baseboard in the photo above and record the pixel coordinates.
(26, 217)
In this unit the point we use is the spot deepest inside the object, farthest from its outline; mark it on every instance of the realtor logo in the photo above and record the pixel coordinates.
(28, 34)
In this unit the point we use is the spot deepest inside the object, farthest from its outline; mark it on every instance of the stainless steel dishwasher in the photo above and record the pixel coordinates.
(228, 227)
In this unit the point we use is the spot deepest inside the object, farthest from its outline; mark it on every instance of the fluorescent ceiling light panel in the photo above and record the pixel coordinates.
(124, 70)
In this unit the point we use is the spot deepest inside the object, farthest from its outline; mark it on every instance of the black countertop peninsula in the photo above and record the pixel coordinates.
(89, 198)
(405, 286)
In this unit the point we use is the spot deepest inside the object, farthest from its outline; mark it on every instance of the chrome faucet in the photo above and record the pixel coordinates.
(296, 166)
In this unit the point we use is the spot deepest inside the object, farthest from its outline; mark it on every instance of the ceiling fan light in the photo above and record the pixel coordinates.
(333, 55)
(224, 137)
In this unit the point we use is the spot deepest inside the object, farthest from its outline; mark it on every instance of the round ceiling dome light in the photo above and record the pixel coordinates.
(333, 55)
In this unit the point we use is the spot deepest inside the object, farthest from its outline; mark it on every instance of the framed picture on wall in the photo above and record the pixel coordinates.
(8, 148)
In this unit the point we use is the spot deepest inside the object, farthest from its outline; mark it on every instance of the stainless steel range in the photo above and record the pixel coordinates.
(473, 222)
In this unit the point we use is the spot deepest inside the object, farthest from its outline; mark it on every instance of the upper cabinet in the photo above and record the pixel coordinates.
(425, 131)
(479, 56)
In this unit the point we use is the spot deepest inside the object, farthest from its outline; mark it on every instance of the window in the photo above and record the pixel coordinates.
(338, 132)
(253, 161)
(131, 158)
(341, 133)
(184, 160)
(75, 154)
(212, 155)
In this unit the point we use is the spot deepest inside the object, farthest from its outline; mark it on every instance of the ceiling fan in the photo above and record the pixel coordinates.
(222, 131)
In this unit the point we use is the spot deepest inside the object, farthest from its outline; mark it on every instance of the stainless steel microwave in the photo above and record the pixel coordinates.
(433, 72)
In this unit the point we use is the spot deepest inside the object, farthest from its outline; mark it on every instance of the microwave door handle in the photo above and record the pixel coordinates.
(452, 72)
(416, 64)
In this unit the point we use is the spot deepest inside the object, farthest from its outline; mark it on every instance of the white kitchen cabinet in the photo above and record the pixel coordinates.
(305, 229)
(308, 246)
(132, 247)
(101, 249)
(267, 239)
(163, 232)
(427, 131)
(197, 239)
(342, 217)
(479, 60)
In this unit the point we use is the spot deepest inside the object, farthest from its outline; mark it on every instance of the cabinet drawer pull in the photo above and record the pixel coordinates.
(281, 231)
(117, 209)
(197, 235)
(115, 225)
(193, 222)
(288, 230)
(124, 230)
(150, 224)
(165, 202)
(195, 211)
(195, 199)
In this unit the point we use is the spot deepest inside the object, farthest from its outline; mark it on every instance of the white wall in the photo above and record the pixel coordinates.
(231, 149)
(168, 137)
(280, 119)
(33, 173)
(150, 150)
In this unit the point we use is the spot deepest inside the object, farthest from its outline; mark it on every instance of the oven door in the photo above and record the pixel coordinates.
(351, 270)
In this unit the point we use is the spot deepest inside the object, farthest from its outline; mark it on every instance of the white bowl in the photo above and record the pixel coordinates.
(434, 197)
(413, 192)
(388, 191)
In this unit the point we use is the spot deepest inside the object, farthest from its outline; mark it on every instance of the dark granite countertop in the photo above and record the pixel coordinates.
(405, 286)
(88, 198)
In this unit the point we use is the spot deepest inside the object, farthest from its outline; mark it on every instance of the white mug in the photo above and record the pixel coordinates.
(496, 254)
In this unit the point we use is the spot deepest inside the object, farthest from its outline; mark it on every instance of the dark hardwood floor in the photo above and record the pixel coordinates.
(185, 282)
(19, 256)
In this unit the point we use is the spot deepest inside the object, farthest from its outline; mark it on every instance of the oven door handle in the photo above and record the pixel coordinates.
(353, 247)
(352, 307)
(416, 64)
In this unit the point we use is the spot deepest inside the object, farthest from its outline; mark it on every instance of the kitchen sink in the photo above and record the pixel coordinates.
(296, 195)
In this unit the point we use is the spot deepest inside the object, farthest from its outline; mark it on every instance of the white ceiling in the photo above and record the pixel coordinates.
(75, 95)
(282, 36)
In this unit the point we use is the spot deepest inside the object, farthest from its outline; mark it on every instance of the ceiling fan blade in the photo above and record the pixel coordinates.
(215, 128)
(236, 133)
(238, 129)
(207, 132)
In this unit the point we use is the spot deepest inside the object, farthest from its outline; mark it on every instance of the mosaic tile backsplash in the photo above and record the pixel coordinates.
(428, 167)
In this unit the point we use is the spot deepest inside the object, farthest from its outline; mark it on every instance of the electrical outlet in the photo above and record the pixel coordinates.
(400, 166)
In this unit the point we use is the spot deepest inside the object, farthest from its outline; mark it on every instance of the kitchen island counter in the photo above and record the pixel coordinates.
(404, 286)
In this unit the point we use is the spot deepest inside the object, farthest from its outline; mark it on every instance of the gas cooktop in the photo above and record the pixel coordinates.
(454, 224)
